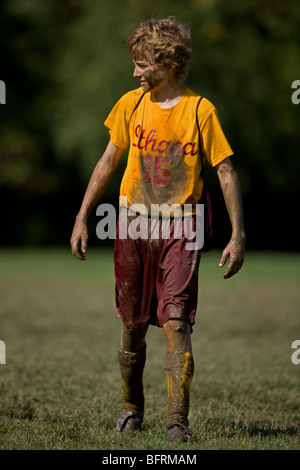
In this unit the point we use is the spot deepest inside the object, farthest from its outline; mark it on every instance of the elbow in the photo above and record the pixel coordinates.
(228, 177)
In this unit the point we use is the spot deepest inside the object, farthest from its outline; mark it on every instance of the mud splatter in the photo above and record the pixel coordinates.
(131, 368)
(179, 368)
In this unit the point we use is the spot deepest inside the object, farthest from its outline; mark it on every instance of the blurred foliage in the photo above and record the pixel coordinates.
(65, 65)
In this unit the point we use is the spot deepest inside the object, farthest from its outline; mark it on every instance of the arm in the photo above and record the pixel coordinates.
(230, 186)
(100, 178)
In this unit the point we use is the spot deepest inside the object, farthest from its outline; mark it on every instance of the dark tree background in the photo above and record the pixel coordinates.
(65, 65)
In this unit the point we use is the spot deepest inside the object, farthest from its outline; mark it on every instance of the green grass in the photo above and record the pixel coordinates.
(60, 386)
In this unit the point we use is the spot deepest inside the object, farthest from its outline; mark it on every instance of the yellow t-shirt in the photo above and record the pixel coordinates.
(164, 163)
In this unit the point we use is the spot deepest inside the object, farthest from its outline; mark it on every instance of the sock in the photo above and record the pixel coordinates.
(179, 368)
(131, 368)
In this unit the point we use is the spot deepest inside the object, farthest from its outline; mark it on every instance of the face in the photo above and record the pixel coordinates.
(151, 77)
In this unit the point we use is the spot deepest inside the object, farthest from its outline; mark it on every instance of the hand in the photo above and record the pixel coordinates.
(79, 240)
(235, 250)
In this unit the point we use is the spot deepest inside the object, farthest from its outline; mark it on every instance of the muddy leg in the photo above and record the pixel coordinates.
(179, 368)
(132, 358)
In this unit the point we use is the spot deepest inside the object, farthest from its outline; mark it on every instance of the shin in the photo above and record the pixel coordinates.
(132, 358)
(179, 368)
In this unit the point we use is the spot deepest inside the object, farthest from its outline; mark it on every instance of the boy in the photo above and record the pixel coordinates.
(157, 279)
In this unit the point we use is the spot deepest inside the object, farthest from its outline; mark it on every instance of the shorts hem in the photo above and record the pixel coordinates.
(171, 312)
(132, 324)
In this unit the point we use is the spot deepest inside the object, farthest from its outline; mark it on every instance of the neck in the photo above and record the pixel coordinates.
(169, 95)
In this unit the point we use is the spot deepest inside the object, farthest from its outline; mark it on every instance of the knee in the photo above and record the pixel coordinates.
(178, 335)
(133, 339)
(178, 327)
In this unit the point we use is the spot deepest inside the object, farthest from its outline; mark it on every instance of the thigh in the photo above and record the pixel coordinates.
(135, 276)
(177, 281)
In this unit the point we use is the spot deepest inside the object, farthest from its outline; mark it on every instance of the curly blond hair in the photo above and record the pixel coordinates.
(164, 42)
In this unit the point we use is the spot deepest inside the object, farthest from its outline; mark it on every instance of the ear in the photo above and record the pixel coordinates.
(172, 70)
(172, 73)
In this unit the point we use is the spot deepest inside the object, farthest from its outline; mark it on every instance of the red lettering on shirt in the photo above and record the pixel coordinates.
(149, 144)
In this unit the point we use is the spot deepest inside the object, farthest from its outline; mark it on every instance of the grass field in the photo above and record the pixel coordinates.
(60, 386)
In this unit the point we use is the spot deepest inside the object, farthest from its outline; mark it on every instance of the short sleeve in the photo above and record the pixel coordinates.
(215, 145)
(118, 124)
(118, 119)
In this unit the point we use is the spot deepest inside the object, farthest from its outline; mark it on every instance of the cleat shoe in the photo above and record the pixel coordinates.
(179, 432)
(129, 421)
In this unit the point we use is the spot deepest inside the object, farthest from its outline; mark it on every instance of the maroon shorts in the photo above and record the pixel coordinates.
(156, 279)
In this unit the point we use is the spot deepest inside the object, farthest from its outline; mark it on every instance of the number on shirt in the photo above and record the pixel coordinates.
(161, 175)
